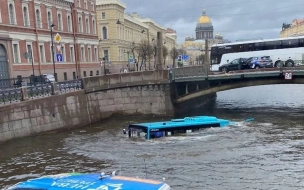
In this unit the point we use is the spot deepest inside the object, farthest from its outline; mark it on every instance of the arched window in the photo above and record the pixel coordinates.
(25, 17)
(59, 22)
(87, 25)
(38, 20)
(49, 17)
(69, 24)
(11, 14)
(79, 25)
(104, 33)
(94, 27)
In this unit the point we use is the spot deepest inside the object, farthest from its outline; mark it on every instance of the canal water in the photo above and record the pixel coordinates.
(267, 153)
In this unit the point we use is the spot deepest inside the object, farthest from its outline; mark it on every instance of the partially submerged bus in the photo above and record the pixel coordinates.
(285, 52)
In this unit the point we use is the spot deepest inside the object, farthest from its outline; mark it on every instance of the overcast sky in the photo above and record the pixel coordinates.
(234, 19)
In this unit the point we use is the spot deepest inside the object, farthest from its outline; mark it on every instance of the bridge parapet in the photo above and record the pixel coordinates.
(97, 83)
(190, 72)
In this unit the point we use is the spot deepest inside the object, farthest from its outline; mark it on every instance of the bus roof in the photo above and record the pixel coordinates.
(256, 41)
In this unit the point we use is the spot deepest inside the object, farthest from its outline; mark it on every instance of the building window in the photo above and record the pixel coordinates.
(103, 15)
(72, 54)
(97, 72)
(62, 51)
(0, 16)
(30, 53)
(74, 75)
(104, 32)
(59, 22)
(94, 27)
(95, 54)
(69, 24)
(85, 5)
(106, 55)
(91, 73)
(78, 3)
(25, 17)
(16, 53)
(89, 55)
(38, 20)
(84, 74)
(92, 7)
(82, 54)
(41, 51)
(87, 26)
(12, 14)
(65, 76)
(49, 17)
(79, 25)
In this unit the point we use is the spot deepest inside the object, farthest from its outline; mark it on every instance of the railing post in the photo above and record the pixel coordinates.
(54, 88)
(24, 94)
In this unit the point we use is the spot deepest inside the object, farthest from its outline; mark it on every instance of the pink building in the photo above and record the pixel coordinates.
(25, 29)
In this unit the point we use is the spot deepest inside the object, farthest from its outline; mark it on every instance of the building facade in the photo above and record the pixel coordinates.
(121, 33)
(296, 28)
(26, 35)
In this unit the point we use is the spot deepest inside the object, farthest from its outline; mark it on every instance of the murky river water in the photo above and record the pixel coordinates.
(267, 153)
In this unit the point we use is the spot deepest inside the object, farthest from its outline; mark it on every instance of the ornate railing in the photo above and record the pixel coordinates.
(9, 96)
(69, 86)
(41, 90)
(189, 72)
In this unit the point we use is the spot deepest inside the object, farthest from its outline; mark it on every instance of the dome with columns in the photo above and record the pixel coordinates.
(204, 27)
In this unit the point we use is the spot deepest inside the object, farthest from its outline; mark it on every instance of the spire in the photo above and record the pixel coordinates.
(204, 12)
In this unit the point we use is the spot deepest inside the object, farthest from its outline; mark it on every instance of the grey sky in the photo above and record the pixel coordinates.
(234, 19)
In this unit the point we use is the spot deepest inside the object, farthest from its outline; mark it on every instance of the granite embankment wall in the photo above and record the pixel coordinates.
(80, 108)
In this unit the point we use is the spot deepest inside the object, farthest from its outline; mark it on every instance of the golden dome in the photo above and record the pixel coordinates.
(204, 19)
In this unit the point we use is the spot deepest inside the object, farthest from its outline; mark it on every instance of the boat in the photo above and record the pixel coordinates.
(168, 128)
(89, 181)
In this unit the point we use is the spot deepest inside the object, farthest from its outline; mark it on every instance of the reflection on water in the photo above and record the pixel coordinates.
(264, 154)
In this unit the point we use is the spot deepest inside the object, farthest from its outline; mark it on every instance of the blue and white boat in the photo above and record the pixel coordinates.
(167, 128)
(82, 181)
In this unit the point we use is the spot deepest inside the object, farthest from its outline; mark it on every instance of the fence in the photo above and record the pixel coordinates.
(8, 96)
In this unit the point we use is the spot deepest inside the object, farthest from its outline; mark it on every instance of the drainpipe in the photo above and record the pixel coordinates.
(37, 42)
(74, 38)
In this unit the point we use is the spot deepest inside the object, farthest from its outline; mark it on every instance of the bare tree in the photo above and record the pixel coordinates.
(144, 51)
(174, 55)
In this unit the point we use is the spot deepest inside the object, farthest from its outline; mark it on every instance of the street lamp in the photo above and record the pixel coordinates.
(52, 40)
(102, 61)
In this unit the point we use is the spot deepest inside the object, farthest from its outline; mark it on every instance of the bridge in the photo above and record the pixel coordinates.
(30, 110)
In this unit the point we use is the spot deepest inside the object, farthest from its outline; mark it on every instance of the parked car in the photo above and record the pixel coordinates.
(48, 78)
(237, 64)
(259, 62)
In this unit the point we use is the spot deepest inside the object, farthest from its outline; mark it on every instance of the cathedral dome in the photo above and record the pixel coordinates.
(204, 19)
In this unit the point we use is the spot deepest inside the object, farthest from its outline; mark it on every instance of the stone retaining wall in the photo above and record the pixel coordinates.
(77, 109)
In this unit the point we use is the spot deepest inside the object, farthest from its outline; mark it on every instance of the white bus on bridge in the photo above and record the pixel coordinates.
(286, 52)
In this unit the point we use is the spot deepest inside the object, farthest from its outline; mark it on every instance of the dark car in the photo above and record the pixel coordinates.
(237, 64)
(259, 62)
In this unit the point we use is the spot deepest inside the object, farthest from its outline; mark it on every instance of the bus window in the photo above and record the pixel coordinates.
(290, 43)
(251, 47)
(301, 42)
(214, 50)
(259, 46)
(273, 45)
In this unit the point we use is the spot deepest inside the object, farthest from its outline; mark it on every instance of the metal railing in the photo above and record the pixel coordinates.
(9, 96)
(69, 86)
(38, 90)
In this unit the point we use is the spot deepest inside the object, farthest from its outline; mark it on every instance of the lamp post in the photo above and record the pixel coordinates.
(102, 62)
(53, 59)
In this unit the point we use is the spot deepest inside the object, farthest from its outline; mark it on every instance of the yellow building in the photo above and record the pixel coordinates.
(296, 28)
(120, 33)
